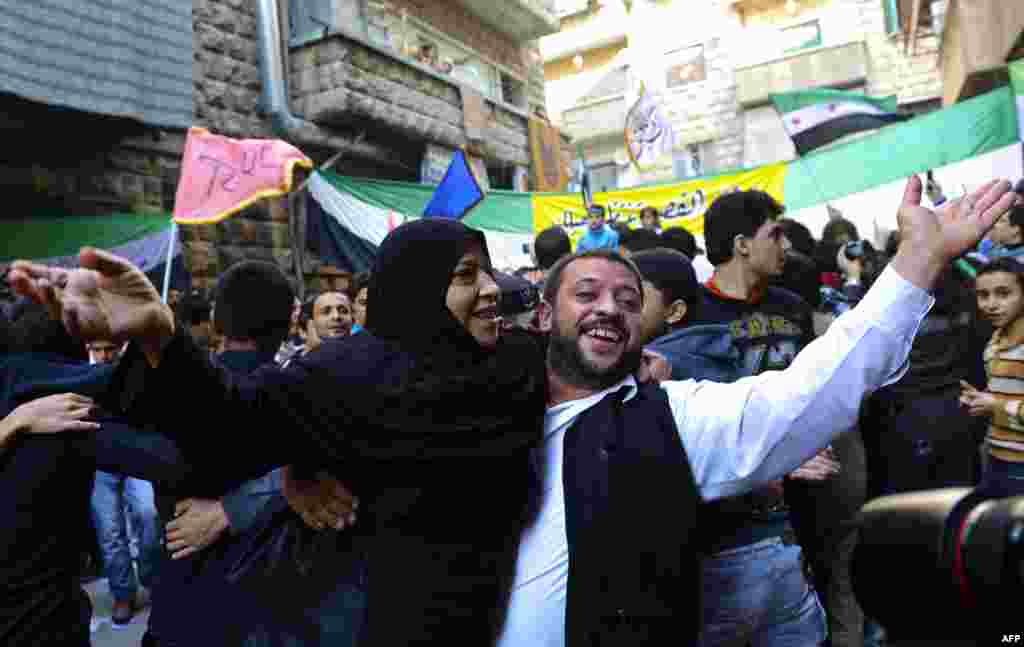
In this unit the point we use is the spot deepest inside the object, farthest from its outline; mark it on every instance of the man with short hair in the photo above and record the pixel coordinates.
(598, 234)
(102, 351)
(551, 245)
(331, 315)
(650, 219)
(613, 450)
(671, 292)
(765, 328)
(638, 240)
(253, 311)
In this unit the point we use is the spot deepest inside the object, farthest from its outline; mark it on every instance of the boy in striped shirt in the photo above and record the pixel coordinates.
(1000, 293)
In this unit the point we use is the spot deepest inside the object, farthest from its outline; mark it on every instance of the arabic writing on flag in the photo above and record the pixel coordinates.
(221, 176)
(649, 134)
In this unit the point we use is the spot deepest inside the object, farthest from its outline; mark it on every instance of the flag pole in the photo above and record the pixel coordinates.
(170, 259)
(807, 166)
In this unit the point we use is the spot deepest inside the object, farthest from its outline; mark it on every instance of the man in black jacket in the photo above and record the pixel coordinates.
(253, 313)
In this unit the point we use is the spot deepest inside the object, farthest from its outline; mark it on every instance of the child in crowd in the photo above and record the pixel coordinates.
(1000, 294)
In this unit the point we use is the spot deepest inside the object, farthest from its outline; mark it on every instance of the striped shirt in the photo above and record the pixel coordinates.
(1004, 365)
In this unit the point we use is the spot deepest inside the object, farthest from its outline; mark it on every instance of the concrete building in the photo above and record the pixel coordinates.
(95, 101)
(714, 63)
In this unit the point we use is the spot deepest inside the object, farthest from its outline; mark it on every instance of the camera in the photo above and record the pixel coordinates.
(928, 568)
(854, 249)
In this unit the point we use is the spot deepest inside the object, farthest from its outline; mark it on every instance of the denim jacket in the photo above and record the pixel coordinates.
(704, 352)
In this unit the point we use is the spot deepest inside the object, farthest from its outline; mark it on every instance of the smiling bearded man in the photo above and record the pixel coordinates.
(610, 553)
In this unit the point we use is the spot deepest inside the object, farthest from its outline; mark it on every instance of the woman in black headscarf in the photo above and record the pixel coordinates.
(428, 418)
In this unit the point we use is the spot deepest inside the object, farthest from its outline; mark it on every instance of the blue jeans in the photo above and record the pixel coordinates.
(111, 496)
(758, 595)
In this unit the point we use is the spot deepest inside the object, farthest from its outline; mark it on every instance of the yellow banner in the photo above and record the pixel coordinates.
(681, 204)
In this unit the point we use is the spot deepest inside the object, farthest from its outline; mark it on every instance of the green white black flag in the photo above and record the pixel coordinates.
(815, 118)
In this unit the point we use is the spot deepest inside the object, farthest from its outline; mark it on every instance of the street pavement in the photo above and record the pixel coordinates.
(103, 632)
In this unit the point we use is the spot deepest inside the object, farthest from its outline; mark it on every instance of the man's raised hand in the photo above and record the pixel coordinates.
(930, 240)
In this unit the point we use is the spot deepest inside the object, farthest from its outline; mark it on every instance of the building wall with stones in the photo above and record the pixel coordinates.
(344, 84)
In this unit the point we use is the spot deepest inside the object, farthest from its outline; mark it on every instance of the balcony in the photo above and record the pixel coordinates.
(600, 30)
(979, 38)
(347, 81)
(826, 67)
(522, 20)
(598, 119)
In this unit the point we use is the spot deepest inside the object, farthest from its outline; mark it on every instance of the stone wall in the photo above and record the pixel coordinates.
(226, 68)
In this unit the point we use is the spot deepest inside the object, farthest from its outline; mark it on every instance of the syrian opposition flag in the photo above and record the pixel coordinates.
(1017, 81)
(816, 118)
(347, 218)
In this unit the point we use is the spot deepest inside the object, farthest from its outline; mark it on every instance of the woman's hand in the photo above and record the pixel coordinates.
(978, 403)
(323, 502)
(54, 414)
(106, 298)
(50, 415)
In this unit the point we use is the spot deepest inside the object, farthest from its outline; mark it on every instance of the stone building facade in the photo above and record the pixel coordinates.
(713, 63)
(361, 85)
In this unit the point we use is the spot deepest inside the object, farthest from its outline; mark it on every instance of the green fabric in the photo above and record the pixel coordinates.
(968, 129)
(790, 101)
(892, 17)
(501, 211)
(1017, 77)
(45, 235)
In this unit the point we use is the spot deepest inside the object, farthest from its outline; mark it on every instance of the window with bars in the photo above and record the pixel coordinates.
(392, 29)
(685, 66)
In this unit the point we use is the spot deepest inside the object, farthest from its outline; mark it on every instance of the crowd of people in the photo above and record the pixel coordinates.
(641, 442)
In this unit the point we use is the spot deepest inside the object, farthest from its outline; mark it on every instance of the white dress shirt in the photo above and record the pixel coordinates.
(737, 436)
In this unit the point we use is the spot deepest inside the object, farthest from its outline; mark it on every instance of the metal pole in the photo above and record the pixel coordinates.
(170, 259)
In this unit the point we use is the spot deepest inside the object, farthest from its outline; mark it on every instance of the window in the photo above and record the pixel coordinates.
(689, 163)
(898, 14)
(803, 36)
(604, 177)
(409, 38)
(312, 19)
(392, 29)
(685, 66)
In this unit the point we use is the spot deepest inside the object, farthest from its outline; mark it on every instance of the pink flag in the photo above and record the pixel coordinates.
(221, 176)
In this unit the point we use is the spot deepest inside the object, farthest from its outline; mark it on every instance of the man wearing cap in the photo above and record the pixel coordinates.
(599, 235)
(518, 299)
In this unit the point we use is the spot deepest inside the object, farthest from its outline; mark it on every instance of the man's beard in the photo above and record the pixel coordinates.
(568, 363)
